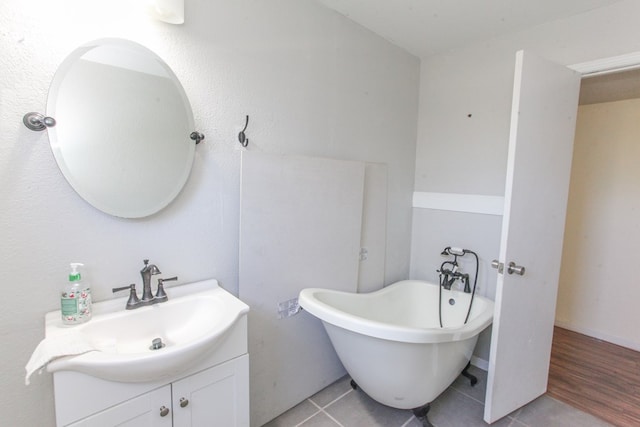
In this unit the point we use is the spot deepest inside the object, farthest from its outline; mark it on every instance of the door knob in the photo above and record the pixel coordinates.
(512, 268)
(498, 265)
(164, 411)
(183, 402)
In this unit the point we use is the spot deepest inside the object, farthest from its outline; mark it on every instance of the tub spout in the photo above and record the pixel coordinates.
(448, 280)
(448, 276)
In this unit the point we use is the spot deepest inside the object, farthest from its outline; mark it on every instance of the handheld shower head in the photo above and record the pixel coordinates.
(453, 251)
(457, 251)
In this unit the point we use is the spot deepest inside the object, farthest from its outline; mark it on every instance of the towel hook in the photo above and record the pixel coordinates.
(244, 141)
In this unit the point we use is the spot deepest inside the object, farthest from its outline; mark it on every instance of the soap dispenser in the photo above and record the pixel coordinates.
(75, 298)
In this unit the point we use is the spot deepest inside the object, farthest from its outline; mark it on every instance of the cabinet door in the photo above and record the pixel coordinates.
(152, 409)
(216, 397)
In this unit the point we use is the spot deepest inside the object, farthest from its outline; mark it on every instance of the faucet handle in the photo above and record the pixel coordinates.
(161, 295)
(133, 300)
(131, 286)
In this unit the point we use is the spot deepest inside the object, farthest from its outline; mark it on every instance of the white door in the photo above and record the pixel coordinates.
(543, 119)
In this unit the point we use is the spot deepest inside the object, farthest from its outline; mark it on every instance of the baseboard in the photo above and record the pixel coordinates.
(484, 364)
(598, 335)
(480, 363)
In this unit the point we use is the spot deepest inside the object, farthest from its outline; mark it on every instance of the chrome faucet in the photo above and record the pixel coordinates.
(147, 295)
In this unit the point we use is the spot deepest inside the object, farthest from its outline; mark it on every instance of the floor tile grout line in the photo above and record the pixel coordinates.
(310, 416)
(467, 395)
(517, 423)
(406, 423)
(511, 417)
(336, 421)
(315, 404)
(321, 409)
(333, 401)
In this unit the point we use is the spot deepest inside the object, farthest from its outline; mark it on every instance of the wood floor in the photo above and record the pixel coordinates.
(595, 376)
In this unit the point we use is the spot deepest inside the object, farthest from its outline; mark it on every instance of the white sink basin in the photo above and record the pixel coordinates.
(190, 324)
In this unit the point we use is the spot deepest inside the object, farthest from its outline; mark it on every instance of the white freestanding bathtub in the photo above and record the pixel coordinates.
(391, 343)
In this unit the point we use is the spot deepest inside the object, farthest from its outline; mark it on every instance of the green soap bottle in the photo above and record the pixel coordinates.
(75, 298)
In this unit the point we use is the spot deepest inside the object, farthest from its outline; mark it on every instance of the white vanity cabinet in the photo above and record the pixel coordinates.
(215, 397)
(148, 410)
(214, 392)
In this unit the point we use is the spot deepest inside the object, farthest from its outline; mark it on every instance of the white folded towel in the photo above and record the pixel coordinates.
(68, 344)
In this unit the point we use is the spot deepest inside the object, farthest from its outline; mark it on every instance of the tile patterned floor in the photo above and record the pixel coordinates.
(459, 406)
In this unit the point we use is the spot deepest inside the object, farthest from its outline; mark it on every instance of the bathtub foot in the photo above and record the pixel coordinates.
(354, 385)
(421, 414)
(472, 378)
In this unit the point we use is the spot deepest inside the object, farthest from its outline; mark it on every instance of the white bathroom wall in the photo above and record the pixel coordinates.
(463, 127)
(373, 238)
(300, 227)
(599, 288)
(312, 82)
(304, 223)
(435, 229)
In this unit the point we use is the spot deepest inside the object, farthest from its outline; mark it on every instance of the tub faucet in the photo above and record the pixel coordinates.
(449, 276)
(447, 279)
(146, 273)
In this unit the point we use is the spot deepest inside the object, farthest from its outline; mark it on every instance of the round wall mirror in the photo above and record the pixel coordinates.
(122, 130)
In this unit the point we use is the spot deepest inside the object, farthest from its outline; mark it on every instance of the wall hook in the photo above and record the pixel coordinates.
(244, 141)
(37, 121)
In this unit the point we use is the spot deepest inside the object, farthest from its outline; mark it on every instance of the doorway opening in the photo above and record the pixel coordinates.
(596, 305)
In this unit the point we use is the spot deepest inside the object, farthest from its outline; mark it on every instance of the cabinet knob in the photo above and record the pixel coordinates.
(164, 411)
(183, 402)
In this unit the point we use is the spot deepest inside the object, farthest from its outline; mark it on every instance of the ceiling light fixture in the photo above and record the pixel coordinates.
(170, 11)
